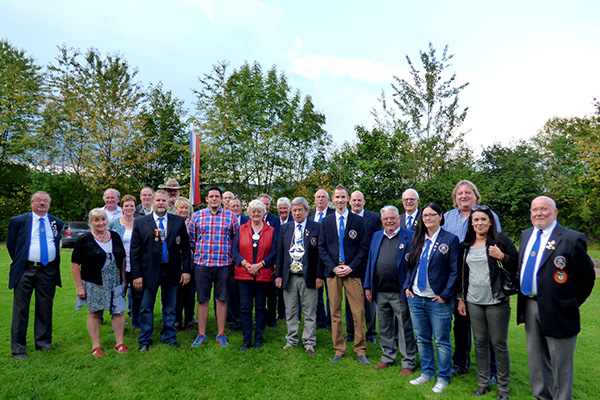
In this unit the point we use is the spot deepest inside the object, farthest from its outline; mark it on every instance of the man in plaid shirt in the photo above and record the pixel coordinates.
(211, 232)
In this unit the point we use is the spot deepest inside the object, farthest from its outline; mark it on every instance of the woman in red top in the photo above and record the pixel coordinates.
(254, 252)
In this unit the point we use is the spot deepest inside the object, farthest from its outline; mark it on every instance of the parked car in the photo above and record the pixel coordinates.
(71, 231)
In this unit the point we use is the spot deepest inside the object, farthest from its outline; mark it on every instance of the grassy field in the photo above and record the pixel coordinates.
(69, 370)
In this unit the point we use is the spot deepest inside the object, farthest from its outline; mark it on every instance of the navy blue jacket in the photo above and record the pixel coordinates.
(356, 245)
(442, 268)
(405, 237)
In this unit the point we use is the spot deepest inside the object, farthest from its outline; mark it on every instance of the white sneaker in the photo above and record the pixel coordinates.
(421, 380)
(440, 385)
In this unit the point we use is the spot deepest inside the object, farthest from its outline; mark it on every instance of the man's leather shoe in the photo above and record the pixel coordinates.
(407, 372)
(144, 348)
(481, 391)
(382, 365)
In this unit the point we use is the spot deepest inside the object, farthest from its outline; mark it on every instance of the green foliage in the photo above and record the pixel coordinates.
(509, 179)
(14, 193)
(21, 96)
(257, 135)
(163, 146)
(570, 148)
(92, 120)
(416, 143)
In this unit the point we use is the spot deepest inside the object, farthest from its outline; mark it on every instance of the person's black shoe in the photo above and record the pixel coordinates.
(372, 340)
(144, 348)
(349, 339)
(481, 391)
(19, 356)
(174, 344)
(258, 346)
(274, 325)
(493, 380)
(456, 370)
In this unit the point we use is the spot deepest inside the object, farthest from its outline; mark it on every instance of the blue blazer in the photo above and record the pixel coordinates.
(274, 221)
(372, 223)
(145, 253)
(565, 280)
(356, 245)
(442, 268)
(311, 261)
(404, 244)
(311, 213)
(17, 244)
(414, 225)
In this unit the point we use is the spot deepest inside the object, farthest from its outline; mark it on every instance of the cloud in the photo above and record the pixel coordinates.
(316, 67)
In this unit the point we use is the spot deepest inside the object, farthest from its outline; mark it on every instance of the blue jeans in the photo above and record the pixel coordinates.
(253, 295)
(433, 319)
(168, 334)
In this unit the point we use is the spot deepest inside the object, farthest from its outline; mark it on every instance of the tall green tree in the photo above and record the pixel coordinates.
(93, 117)
(509, 178)
(163, 145)
(569, 149)
(21, 97)
(258, 134)
(427, 108)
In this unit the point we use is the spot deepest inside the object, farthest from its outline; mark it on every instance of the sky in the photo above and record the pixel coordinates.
(525, 61)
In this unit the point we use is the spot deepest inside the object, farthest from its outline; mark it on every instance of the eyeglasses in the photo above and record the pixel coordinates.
(481, 208)
(408, 200)
(427, 216)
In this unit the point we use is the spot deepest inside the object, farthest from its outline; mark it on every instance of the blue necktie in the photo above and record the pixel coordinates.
(527, 282)
(422, 279)
(320, 217)
(165, 254)
(342, 229)
(43, 243)
(409, 223)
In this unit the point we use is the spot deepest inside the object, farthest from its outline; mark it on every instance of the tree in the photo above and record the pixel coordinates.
(509, 178)
(569, 149)
(379, 164)
(163, 145)
(93, 118)
(21, 96)
(428, 111)
(257, 135)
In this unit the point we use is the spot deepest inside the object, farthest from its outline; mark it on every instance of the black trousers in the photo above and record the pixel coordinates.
(42, 280)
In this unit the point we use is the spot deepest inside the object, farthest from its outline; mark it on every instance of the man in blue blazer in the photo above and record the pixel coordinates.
(556, 276)
(159, 258)
(321, 211)
(297, 276)
(343, 248)
(387, 267)
(32, 242)
(410, 202)
(372, 224)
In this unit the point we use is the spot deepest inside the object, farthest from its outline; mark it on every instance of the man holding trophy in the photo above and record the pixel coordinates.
(296, 274)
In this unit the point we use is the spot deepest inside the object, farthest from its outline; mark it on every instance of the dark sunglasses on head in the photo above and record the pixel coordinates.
(481, 208)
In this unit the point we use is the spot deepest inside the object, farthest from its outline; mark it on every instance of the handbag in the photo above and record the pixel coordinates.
(510, 282)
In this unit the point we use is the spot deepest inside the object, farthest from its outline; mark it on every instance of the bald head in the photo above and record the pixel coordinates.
(357, 202)
(543, 212)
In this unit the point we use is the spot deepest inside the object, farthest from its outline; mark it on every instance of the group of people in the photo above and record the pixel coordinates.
(423, 273)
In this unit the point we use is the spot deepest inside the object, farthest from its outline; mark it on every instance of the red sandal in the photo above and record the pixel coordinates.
(97, 352)
(121, 348)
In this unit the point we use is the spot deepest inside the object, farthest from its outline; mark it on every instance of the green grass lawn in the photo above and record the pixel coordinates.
(211, 372)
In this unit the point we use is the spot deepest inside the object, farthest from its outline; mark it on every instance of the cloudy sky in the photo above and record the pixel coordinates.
(526, 61)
